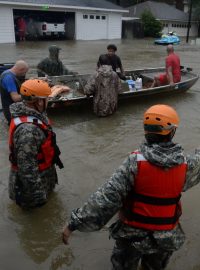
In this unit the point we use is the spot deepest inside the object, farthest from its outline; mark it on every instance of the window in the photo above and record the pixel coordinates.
(85, 16)
(92, 17)
(97, 17)
(103, 17)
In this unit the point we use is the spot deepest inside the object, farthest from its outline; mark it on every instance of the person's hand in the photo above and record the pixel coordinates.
(66, 234)
(172, 84)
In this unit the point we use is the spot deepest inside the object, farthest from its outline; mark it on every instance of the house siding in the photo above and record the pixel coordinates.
(7, 34)
(180, 28)
(103, 25)
(114, 26)
(91, 29)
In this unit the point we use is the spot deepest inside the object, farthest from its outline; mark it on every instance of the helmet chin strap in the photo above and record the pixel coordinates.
(44, 106)
(173, 133)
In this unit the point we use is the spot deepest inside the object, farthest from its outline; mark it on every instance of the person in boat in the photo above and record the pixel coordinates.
(114, 61)
(146, 191)
(33, 149)
(10, 82)
(105, 86)
(173, 70)
(52, 65)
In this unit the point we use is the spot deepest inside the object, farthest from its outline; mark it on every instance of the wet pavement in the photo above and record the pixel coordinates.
(92, 148)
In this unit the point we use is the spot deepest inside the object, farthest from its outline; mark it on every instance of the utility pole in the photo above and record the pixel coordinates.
(189, 22)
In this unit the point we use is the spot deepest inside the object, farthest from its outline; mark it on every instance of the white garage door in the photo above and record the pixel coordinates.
(6, 25)
(91, 26)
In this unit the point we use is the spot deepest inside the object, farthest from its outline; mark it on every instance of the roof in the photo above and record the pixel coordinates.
(161, 11)
(72, 4)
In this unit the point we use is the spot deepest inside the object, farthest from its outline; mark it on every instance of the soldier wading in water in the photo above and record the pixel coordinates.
(33, 148)
(146, 191)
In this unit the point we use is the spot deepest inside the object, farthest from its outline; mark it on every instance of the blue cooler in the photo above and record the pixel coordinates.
(131, 84)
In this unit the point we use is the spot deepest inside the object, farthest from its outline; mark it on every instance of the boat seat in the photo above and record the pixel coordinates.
(147, 77)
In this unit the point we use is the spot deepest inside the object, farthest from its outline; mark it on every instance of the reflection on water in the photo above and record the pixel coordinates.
(39, 230)
(92, 148)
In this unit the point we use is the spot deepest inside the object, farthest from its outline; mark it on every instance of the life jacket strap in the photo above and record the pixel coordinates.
(155, 200)
(151, 220)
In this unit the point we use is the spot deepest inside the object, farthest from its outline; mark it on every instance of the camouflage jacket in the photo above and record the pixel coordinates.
(52, 67)
(34, 185)
(108, 200)
(105, 86)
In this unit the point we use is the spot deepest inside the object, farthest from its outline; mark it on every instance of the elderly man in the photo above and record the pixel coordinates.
(52, 65)
(173, 71)
(10, 82)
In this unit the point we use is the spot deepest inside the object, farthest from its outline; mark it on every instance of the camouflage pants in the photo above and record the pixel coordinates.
(126, 257)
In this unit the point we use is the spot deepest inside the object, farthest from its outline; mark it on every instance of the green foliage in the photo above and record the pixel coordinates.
(128, 3)
(152, 27)
(196, 9)
(195, 3)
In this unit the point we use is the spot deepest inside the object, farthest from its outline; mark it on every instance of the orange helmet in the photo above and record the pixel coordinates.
(35, 88)
(160, 119)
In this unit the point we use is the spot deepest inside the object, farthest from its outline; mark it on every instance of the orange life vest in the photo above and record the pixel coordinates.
(154, 203)
(49, 151)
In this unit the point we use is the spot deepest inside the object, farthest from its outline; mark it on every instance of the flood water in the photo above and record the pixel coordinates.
(92, 148)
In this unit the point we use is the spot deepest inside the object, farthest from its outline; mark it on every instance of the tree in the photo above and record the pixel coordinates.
(152, 27)
(196, 7)
(128, 3)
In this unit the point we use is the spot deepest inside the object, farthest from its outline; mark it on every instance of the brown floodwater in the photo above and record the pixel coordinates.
(92, 148)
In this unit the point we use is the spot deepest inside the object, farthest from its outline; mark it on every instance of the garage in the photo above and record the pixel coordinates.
(88, 23)
(7, 34)
(79, 20)
(37, 22)
(94, 26)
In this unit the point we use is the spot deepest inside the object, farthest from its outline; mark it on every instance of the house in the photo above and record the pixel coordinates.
(186, 5)
(172, 19)
(85, 19)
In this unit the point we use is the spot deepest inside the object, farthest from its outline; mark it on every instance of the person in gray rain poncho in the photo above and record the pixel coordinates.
(33, 149)
(105, 86)
(146, 191)
(52, 65)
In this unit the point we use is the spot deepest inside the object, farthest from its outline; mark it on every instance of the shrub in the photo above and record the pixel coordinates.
(152, 27)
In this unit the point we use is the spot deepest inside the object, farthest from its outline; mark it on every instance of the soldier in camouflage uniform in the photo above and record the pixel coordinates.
(135, 244)
(33, 149)
(105, 86)
(52, 65)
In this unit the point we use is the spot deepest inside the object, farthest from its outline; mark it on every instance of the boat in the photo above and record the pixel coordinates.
(76, 83)
(5, 66)
(170, 38)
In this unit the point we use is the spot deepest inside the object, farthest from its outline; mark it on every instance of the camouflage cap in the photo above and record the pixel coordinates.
(53, 48)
